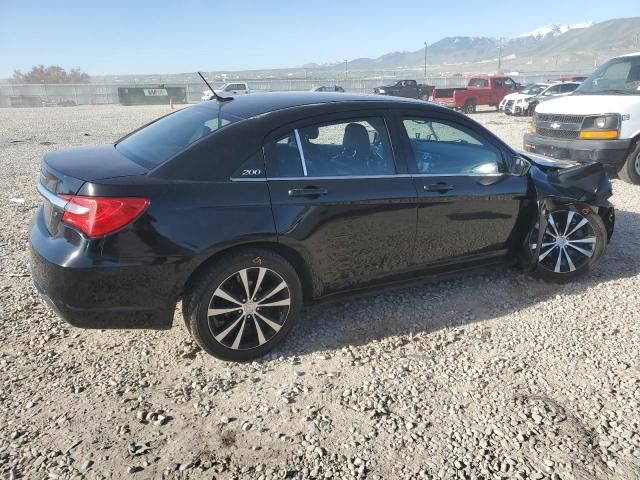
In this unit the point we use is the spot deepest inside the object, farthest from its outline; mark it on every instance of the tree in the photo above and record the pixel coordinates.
(51, 74)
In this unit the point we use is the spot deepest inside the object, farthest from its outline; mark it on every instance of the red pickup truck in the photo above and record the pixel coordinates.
(480, 90)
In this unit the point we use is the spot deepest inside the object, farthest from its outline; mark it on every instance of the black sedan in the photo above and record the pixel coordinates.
(249, 208)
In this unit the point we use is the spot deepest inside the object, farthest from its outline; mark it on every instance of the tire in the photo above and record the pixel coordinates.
(531, 109)
(244, 326)
(424, 97)
(583, 245)
(469, 107)
(630, 170)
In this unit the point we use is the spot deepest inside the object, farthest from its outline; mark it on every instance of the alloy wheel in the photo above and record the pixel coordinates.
(636, 164)
(249, 308)
(568, 243)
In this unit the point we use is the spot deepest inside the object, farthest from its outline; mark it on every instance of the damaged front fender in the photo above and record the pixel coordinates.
(583, 187)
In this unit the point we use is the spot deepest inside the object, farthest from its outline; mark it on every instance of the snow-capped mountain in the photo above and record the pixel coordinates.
(545, 47)
(554, 29)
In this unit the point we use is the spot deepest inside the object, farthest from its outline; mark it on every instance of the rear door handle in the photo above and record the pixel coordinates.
(438, 187)
(308, 192)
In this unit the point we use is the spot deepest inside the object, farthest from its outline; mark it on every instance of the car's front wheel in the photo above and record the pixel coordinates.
(573, 243)
(244, 305)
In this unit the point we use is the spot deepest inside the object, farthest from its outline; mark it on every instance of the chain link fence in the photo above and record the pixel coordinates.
(14, 95)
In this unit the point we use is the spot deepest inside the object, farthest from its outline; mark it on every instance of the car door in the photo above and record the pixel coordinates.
(497, 92)
(340, 198)
(468, 203)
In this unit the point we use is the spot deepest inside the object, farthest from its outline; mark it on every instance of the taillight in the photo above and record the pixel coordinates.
(98, 216)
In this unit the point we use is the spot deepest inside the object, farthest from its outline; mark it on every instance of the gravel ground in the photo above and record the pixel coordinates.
(487, 376)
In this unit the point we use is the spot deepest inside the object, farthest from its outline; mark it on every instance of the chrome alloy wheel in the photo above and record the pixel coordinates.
(636, 163)
(249, 308)
(568, 243)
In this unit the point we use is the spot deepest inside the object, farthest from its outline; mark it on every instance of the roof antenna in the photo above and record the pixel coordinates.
(216, 96)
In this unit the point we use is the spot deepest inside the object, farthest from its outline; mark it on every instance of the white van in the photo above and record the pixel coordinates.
(599, 122)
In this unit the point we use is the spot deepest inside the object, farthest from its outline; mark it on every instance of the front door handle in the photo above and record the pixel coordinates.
(440, 187)
(309, 192)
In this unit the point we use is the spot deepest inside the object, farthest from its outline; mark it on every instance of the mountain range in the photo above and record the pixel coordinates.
(544, 48)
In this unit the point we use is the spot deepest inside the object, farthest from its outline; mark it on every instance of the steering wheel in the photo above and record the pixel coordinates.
(375, 161)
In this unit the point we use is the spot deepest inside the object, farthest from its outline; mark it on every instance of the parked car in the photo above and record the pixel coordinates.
(599, 122)
(480, 90)
(249, 209)
(526, 103)
(553, 91)
(227, 89)
(518, 103)
(329, 88)
(405, 88)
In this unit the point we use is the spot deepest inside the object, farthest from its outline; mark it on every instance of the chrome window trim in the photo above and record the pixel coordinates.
(52, 198)
(371, 177)
(304, 162)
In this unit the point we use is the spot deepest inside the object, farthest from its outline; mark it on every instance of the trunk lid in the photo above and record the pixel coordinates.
(92, 163)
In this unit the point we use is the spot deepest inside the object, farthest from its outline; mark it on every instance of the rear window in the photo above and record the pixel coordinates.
(156, 143)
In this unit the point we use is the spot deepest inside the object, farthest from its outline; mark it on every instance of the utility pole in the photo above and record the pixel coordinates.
(346, 69)
(500, 58)
(425, 59)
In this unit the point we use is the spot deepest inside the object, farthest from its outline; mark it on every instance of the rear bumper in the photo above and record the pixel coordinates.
(91, 292)
(611, 153)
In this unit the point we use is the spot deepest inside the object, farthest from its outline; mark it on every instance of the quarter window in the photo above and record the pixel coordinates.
(358, 147)
(288, 161)
(441, 148)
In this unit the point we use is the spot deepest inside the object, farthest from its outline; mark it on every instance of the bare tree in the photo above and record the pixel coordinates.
(51, 74)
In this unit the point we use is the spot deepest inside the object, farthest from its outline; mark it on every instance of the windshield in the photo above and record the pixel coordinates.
(158, 142)
(533, 89)
(620, 76)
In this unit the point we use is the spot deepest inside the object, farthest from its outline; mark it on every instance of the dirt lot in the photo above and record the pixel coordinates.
(488, 376)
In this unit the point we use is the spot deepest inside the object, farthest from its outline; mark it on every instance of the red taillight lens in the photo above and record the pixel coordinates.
(97, 216)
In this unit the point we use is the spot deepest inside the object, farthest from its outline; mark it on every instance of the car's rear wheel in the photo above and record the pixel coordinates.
(572, 244)
(244, 305)
(469, 107)
(630, 170)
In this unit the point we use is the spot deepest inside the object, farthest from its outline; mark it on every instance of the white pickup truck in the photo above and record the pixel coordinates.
(600, 121)
(238, 88)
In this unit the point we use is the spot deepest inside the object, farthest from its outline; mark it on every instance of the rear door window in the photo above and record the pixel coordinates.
(357, 147)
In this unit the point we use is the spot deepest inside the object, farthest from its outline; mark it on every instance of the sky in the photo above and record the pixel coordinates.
(171, 36)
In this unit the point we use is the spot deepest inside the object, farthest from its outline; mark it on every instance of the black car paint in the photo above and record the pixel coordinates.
(364, 232)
